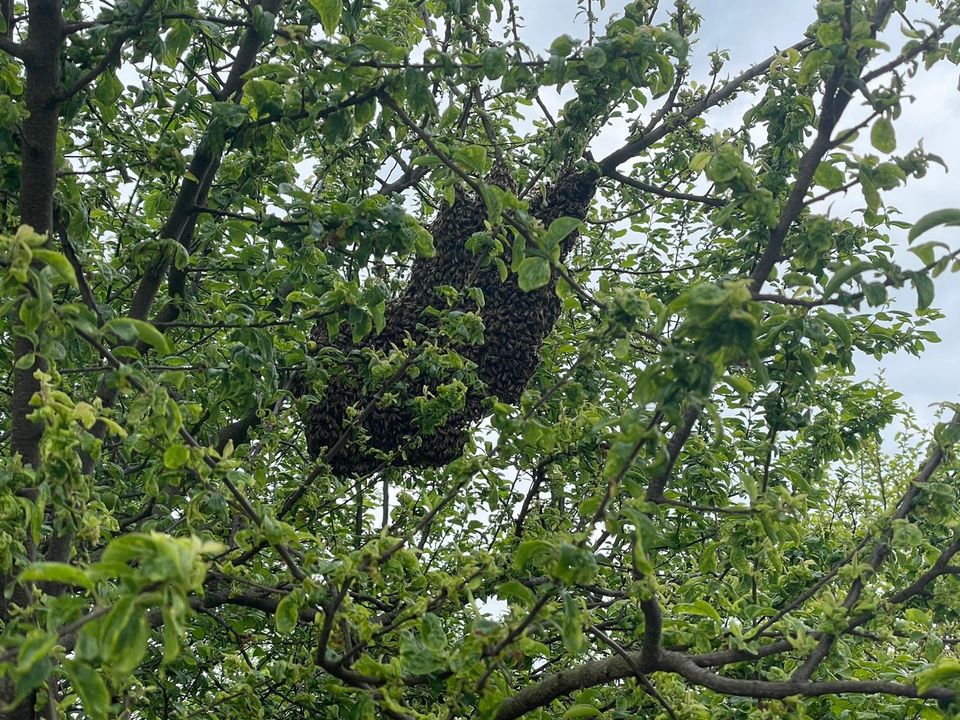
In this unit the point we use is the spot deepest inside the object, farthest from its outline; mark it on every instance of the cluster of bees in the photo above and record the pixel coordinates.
(382, 429)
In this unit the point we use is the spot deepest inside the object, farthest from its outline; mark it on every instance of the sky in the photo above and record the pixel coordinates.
(750, 30)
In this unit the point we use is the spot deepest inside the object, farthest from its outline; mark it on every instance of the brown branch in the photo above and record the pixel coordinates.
(811, 591)
(837, 93)
(652, 631)
(200, 174)
(564, 682)
(539, 475)
(663, 192)
(683, 666)
(641, 677)
(10, 47)
(940, 567)
(38, 165)
(795, 200)
(658, 483)
(622, 666)
(83, 285)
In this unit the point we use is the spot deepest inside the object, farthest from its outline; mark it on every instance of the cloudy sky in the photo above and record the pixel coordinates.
(750, 30)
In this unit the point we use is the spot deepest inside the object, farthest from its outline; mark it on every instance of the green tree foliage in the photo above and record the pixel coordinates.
(212, 212)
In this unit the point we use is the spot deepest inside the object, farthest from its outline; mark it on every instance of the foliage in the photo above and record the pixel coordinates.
(690, 512)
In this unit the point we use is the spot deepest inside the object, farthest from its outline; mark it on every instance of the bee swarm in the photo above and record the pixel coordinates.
(515, 326)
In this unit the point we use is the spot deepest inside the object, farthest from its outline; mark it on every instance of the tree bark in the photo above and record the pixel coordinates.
(38, 166)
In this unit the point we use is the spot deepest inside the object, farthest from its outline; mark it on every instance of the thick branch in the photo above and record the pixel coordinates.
(10, 47)
(556, 685)
(623, 666)
(38, 158)
(683, 666)
(205, 160)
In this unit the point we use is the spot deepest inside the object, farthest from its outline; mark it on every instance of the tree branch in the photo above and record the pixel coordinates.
(202, 166)
(935, 458)
(622, 666)
(658, 483)
(637, 146)
(9, 46)
(663, 192)
(683, 666)
(112, 56)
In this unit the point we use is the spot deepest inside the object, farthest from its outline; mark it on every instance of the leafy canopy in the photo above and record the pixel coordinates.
(690, 511)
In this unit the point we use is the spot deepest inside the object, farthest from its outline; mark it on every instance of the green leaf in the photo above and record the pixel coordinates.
(124, 636)
(830, 34)
(699, 162)
(708, 559)
(702, 608)
(108, 89)
(171, 637)
(574, 565)
(365, 112)
(530, 550)
(581, 711)
(35, 648)
(844, 274)
(562, 46)
(907, 534)
(926, 251)
(25, 362)
(278, 72)
(533, 273)
(419, 92)
(494, 62)
(56, 572)
(882, 135)
(946, 670)
(264, 22)
(176, 41)
(875, 293)
(594, 57)
(129, 328)
(948, 216)
(516, 592)
(329, 12)
(925, 290)
(338, 127)
(151, 336)
(839, 326)
(90, 687)
(559, 230)
(58, 262)
(472, 158)
(176, 456)
(571, 630)
(288, 613)
(828, 176)
(432, 633)
(423, 242)
(946, 434)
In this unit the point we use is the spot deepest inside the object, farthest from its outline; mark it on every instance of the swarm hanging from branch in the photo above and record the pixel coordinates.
(515, 326)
